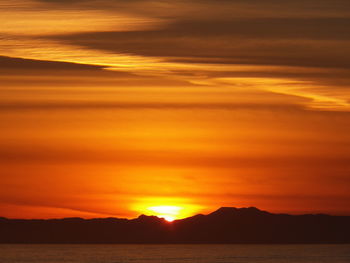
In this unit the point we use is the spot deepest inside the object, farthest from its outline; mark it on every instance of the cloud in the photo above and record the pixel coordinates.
(310, 50)
(194, 40)
(264, 42)
(42, 74)
(7, 63)
(205, 8)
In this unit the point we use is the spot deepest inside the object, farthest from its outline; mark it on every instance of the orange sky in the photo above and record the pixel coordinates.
(115, 108)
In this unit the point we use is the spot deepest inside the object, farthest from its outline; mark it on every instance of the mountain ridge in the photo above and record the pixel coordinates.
(230, 225)
(221, 210)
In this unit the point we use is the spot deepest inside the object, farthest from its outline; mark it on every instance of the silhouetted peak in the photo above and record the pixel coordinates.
(108, 219)
(224, 211)
(144, 218)
(191, 218)
(71, 219)
(231, 211)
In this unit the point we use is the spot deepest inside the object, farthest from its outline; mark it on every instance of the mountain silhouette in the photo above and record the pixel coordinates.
(226, 225)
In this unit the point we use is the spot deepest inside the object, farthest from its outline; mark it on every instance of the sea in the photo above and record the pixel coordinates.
(174, 253)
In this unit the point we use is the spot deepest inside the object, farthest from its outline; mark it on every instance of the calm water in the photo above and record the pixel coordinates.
(175, 253)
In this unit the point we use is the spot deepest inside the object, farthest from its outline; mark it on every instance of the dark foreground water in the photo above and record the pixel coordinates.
(175, 253)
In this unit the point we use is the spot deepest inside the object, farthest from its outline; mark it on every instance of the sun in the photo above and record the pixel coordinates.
(169, 209)
(168, 218)
(168, 212)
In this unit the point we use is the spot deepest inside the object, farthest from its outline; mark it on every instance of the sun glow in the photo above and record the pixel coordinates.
(168, 208)
(169, 213)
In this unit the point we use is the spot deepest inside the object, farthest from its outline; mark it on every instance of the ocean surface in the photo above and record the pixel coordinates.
(175, 253)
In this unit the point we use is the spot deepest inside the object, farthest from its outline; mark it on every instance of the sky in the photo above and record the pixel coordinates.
(173, 108)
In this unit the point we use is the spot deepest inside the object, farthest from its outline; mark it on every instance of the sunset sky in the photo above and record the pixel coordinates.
(173, 107)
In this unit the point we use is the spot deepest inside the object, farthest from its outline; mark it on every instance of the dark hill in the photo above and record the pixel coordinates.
(226, 225)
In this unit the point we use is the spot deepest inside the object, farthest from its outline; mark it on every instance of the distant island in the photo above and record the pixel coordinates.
(227, 225)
